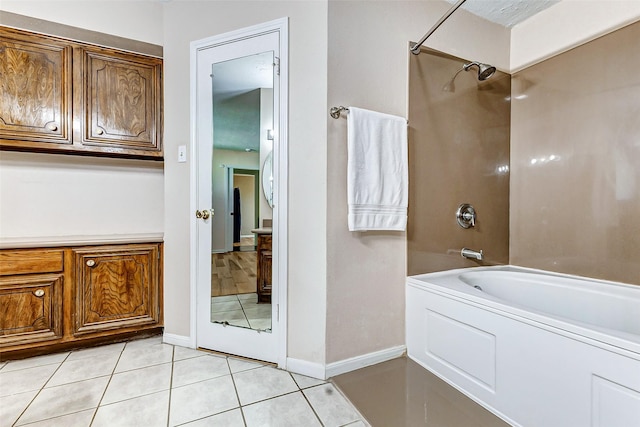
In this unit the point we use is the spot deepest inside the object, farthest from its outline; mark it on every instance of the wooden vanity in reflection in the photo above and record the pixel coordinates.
(264, 260)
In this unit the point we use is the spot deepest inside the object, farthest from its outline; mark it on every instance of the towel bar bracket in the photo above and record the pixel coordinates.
(336, 111)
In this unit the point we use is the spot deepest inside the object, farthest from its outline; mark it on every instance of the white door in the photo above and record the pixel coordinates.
(257, 342)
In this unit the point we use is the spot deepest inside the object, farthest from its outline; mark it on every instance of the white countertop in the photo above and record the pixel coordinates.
(262, 230)
(52, 241)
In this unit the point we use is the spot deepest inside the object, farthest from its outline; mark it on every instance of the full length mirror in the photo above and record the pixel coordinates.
(241, 227)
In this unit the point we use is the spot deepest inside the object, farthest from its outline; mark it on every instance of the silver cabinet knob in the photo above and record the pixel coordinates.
(39, 293)
(52, 127)
(91, 263)
(99, 131)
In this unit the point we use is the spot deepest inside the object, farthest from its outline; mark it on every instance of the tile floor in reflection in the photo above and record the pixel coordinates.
(241, 310)
(148, 383)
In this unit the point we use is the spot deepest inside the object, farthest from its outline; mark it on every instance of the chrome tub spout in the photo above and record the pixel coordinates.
(471, 254)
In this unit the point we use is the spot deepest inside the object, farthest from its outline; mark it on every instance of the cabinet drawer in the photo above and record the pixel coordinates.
(31, 261)
(30, 309)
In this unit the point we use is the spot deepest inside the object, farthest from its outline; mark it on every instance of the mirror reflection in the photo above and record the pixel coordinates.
(242, 185)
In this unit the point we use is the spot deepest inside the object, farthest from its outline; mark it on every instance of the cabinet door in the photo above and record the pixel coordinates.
(35, 88)
(30, 308)
(116, 287)
(121, 102)
(264, 268)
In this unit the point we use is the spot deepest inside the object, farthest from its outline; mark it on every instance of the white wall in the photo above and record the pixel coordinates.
(246, 185)
(565, 25)
(266, 147)
(236, 159)
(138, 20)
(61, 196)
(186, 21)
(368, 68)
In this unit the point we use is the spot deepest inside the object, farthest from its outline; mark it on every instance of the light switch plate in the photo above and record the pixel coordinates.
(182, 154)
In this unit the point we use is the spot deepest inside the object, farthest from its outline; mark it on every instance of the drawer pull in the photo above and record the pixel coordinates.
(91, 263)
(39, 293)
(52, 127)
(99, 131)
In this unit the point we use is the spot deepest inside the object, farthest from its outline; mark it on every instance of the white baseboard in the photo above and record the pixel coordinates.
(179, 340)
(323, 372)
(302, 367)
(353, 363)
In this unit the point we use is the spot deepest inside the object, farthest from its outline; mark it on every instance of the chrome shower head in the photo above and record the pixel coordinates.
(485, 71)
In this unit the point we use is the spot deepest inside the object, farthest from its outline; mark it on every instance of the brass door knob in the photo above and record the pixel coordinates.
(204, 214)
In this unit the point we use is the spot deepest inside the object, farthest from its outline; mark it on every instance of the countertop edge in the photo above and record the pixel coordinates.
(52, 241)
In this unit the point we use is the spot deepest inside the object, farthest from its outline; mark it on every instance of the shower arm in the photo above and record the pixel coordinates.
(415, 49)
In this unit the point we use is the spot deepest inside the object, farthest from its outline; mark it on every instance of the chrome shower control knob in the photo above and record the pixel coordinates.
(466, 216)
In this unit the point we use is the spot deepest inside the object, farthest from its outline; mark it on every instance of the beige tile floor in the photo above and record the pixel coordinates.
(241, 310)
(148, 383)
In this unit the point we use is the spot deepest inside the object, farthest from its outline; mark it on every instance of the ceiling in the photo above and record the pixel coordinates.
(506, 12)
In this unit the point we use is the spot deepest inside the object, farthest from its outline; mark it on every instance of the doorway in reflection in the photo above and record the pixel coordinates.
(242, 191)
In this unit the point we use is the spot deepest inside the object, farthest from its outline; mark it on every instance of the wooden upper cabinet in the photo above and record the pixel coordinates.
(120, 101)
(64, 96)
(35, 89)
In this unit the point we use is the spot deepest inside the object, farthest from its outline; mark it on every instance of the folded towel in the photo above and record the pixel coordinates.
(377, 171)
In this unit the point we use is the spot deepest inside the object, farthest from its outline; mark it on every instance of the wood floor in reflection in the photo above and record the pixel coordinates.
(233, 273)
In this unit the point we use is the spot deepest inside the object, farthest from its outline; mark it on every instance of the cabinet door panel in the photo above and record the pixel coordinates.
(30, 308)
(121, 101)
(116, 287)
(35, 83)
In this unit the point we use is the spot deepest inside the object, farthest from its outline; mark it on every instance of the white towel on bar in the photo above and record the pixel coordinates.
(377, 171)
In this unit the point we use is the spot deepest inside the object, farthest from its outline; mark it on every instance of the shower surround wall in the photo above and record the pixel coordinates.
(458, 153)
(574, 202)
(575, 161)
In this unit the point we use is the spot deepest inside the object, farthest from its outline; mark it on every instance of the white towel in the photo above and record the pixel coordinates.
(377, 171)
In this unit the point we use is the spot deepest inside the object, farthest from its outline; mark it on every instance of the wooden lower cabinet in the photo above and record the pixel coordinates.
(57, 298)
(264, 269)
(30, 309)
(116, 287)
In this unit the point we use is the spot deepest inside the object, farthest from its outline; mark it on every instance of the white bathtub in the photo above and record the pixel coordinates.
(535, 348)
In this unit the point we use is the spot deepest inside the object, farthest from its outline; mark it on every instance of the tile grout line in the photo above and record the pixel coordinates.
(233, 380)
(39, 391)
(309, 403)
(244, 312)
(173, 357)
(108, 382)
(360, 415)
